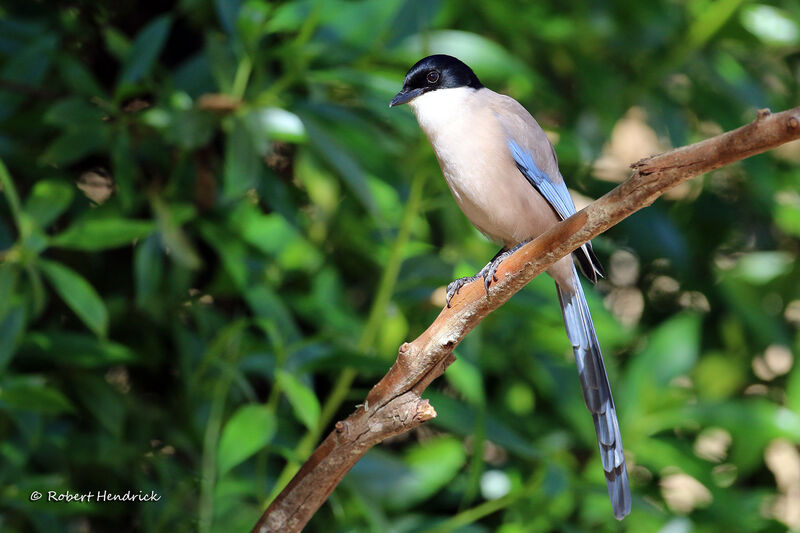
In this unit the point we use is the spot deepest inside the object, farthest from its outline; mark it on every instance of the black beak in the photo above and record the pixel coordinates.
(405, 96)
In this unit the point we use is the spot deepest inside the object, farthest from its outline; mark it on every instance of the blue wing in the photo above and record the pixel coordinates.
(558, 197)
(556, 194)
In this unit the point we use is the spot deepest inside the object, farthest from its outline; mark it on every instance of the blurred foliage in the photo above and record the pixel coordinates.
(215, 234)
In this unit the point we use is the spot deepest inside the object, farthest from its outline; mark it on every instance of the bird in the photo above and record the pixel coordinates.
(503, 173)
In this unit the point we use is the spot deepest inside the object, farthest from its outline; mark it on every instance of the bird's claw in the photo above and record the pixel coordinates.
(455, 286)
(489, 276)
(487, 273)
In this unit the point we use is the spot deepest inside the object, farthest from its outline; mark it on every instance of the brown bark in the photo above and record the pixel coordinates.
(394, 404)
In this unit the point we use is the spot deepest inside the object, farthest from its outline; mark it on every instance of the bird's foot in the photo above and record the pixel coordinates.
(455, 286)
(487, 273)
(490, 269)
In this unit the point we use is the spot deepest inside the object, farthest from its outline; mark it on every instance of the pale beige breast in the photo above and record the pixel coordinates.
(478, 167)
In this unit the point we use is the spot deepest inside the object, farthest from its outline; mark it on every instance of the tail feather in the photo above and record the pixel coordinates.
(596, 393)
(589, 263)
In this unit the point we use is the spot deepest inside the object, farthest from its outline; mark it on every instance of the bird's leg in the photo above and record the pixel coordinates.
(488, 276)
(455, 286)
(487, 272)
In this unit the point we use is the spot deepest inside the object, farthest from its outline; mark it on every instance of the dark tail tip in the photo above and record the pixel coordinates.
(589, 263)
(619, 492)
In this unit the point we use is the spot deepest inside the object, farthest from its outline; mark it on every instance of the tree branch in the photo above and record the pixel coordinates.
(394, 404)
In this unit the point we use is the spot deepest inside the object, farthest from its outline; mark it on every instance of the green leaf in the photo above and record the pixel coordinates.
(519, 398)
(73, 113)
(270, 233)
(461, 418)
(268, 306)
(145, 49)
(101, 400)
(759, 268)
(222, 60)
(32, 393)
(787, 214)
(81, 350)
(148, 268)
(169, 218)
(335, 155)
(48, 199)
(434, 464)
(289, 17)
(251, 20)
(124, 167)
(753, 423)
(717, 377)
(393, 330)
(74, 145)
(242, 163)
(10, 193)
(11, 329)
(467, 379)
(9, 276)
(249, 429)
(227, 11)
(78, 294)
(304, 403)
(181, 123)
(322, 187)
(770, 24)
(37, 292)
(32, 61)
(266, 124)
(358, 24)
(117, 44)
(274, 236)
(671, 351)
(190, 128)
(78, 77)
(102, 233)
(428, 467)
(232, 251)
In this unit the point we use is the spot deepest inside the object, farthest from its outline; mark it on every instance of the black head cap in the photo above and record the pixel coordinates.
(435, 72)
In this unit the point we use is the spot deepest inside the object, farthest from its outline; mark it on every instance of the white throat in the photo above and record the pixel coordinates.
(439, 110)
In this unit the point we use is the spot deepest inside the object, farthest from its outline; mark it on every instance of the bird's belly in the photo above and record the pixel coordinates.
(492, 193)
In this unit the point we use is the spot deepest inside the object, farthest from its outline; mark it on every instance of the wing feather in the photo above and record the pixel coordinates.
(536, 160)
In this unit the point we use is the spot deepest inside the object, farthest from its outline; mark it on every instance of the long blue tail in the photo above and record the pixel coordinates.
(596, 392)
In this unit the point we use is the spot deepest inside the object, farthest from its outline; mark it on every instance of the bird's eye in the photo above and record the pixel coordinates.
(433, 76)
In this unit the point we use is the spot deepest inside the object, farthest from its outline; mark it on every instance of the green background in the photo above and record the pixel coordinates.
(215, 234)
